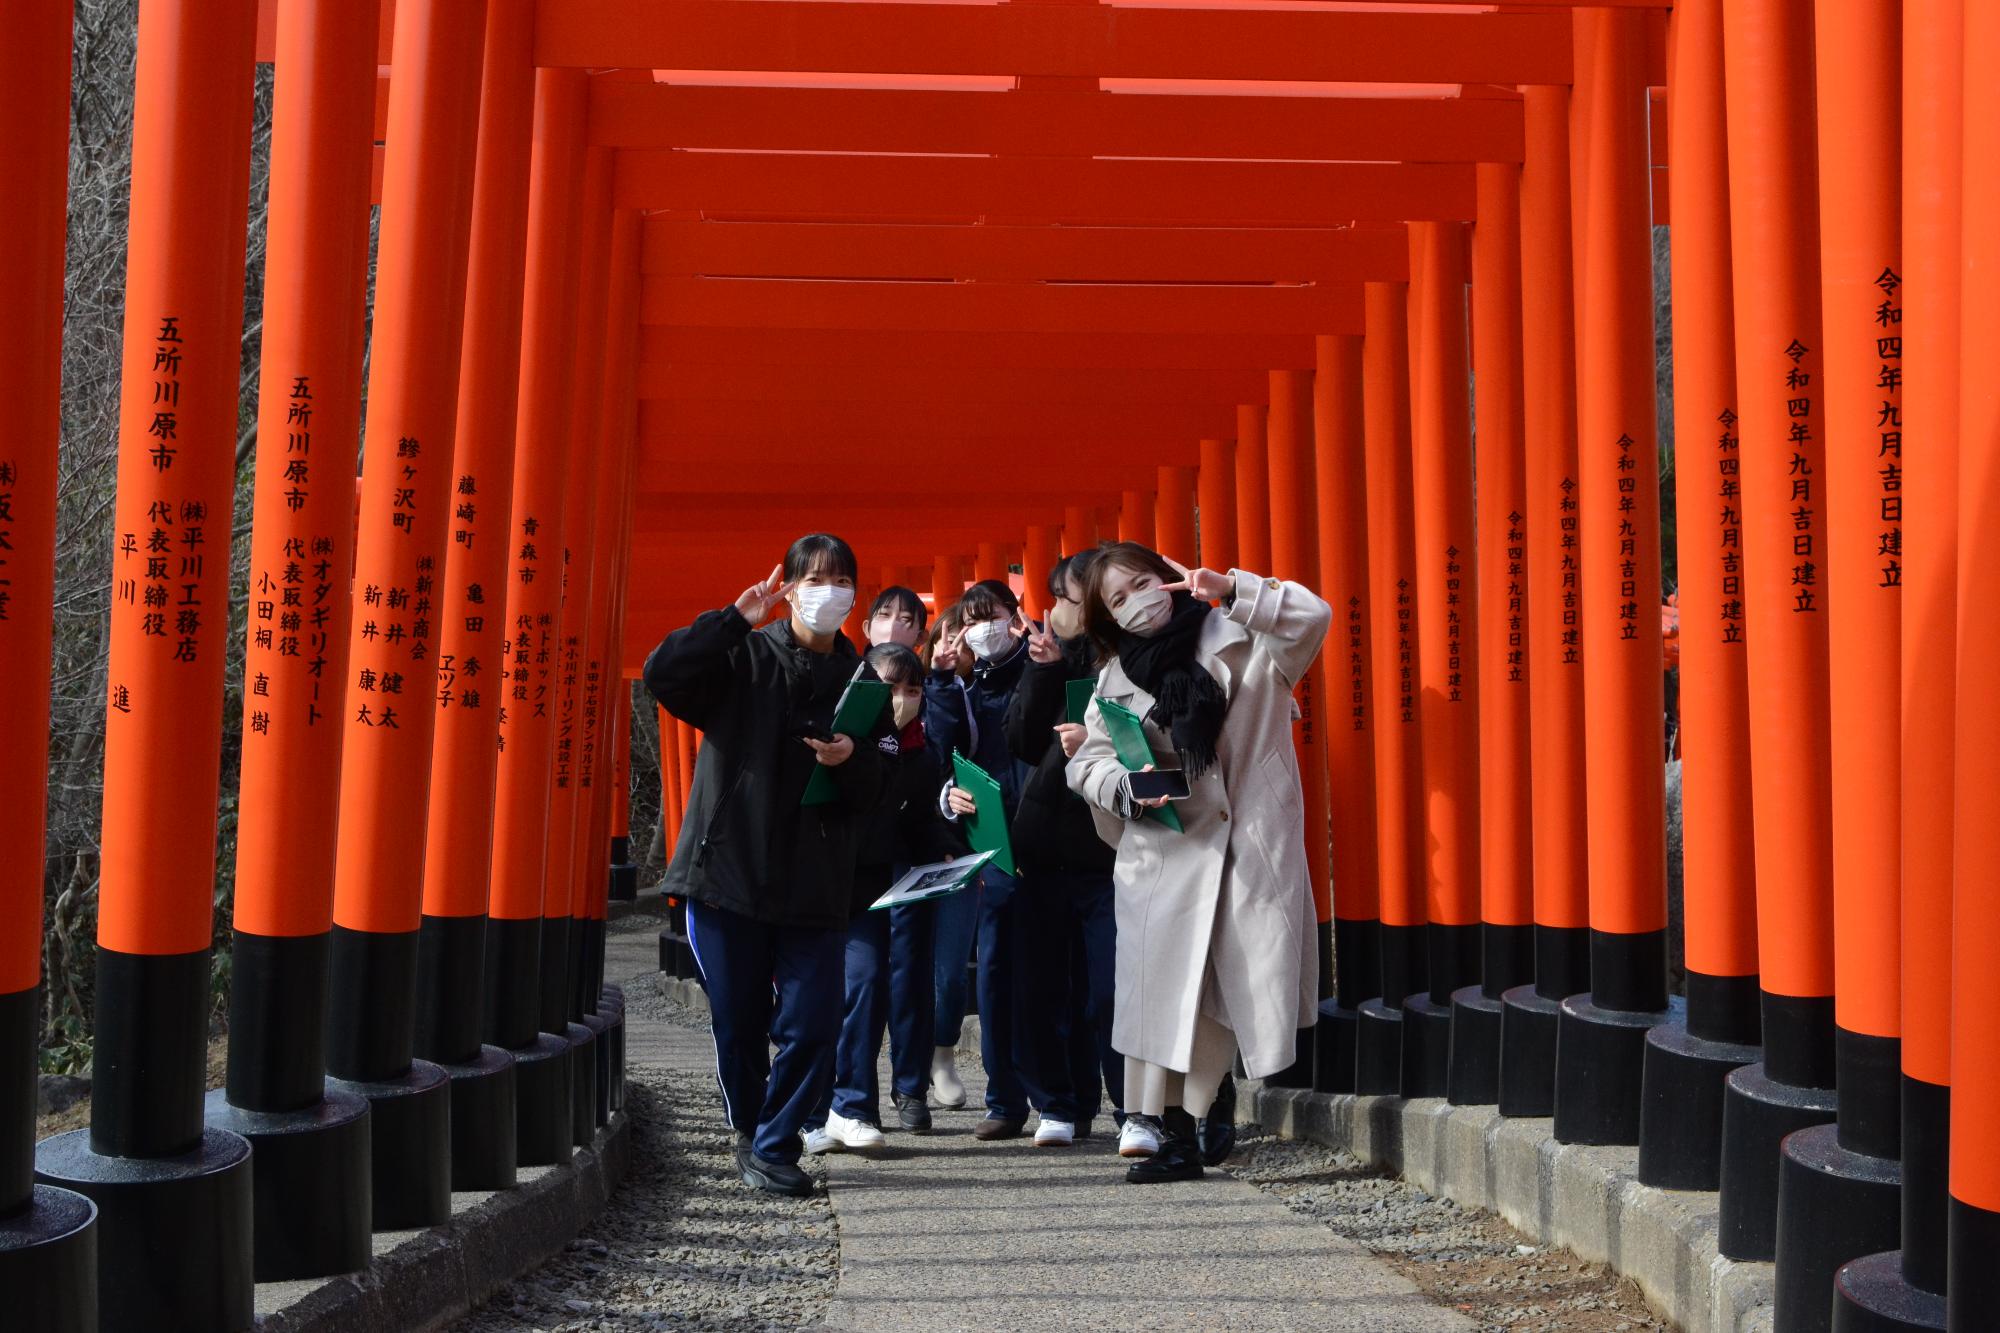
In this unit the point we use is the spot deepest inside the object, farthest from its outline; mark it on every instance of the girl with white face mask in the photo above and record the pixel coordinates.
(1217, 936)
(768, 880)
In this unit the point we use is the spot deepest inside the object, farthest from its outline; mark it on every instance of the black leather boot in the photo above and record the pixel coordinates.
(1216, 1133)
(1179, 1157)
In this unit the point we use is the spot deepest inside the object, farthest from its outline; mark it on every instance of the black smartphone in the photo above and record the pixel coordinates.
(815, 731)
(1171, 783)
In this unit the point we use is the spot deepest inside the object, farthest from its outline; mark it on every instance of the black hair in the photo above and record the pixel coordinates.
(1071, 567)
(987, 599)
(893, 664)
(902, 599)
(819, 553)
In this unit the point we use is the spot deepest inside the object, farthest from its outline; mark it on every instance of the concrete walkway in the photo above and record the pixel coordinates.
(941, 1232)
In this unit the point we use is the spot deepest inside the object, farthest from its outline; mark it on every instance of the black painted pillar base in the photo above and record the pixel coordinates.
(543, 1112)
(1528, 1024)
(1680, 1113)
(48, 1263)
(611, 1003)
(1378, 1049)
(1926, 1182)
(1600, 1059)
(1335, 1038)
(483, 1144)
(1972, 1289)
(1299, 1073)
(1757, 1113)
(1426, 1046)
(624, 884)
(1871, 1295)
(600, 1067)
(1833, 1205)
(310, 1184)
(582, 1084)
(412, 1145)
(173, 1232)
(1472, 1077)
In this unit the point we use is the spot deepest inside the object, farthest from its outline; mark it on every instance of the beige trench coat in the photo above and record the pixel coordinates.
(1218, 920)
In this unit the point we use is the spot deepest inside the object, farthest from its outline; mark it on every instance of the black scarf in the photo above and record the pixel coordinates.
(1187, 703)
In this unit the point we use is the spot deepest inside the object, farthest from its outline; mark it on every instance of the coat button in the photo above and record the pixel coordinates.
(1225, 816)
(1272, 583)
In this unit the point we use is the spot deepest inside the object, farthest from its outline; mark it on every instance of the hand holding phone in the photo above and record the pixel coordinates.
(1154, 785)
(815, 731)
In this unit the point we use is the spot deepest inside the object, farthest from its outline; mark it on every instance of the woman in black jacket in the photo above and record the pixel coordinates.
(889, 981)
(1066, 875)
(769, 881)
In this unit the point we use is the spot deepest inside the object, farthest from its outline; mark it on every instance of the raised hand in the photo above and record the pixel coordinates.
(1205, 584)
(945, 656)
(759, 599)
(1042, 643)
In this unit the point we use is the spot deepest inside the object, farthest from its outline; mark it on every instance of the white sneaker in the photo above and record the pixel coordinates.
(819, 1141)
(1054, 1133)
(1139, 1137)
(946, 1090)
(852, 1133)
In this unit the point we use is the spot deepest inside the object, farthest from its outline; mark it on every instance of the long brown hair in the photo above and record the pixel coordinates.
(1098, 622)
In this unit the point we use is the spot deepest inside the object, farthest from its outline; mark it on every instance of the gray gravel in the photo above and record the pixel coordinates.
(682, 1246)
(1463, 1257)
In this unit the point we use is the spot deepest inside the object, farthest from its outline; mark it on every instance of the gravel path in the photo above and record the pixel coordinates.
(1461, 1257)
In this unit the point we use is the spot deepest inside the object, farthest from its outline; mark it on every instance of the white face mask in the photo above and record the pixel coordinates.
(1144, 612)
(989, 638)
(823, 606)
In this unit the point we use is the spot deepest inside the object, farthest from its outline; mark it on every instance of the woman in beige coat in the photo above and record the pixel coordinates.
(1217, 942)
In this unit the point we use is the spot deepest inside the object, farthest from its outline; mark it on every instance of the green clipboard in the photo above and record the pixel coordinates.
(1079, 698)
(860, 707)
(985, 829)
(1128, 738)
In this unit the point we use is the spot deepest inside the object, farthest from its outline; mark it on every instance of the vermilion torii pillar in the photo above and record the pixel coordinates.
(1340, 452)
(1253, 488)
(1973, 1283)
(1839, 1185)
(1215, 498)
(1174, 512)
(1905, 1288)
(533, 586)
(1680, 1124)
(312, 1142)
(1079, 532)
(1506, 865)
(48, 1236)
(1295, 555)
(174, 1197)
(468, 692)
(1774, 236)
(948, 575)
(399, 554)
(624, 885)
(1448, 654)
(1043, 550)
(1392, 581)
(1555, 598)
(1601, 1037)
(989, 562)
(1135, 517)
(573, 571)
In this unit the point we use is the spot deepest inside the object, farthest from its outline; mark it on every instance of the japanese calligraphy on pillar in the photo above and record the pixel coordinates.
(1517, 597)
(1453, 629)
(1729, 490)
(1357, 678)
(526, 653)
(458, 680)
(291, 600)
(396, 623)
(1889, 428)
(1805, 516)
(1572, 604)
(9, 478)
(1628, 542)
(1406, 650)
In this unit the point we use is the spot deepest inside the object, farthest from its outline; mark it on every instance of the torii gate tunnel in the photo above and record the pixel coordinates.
(1358, 294)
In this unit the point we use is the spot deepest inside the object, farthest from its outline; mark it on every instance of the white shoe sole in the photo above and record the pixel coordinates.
(939, 1101)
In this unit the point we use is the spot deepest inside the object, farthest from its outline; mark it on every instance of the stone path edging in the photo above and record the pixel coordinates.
(1588, 1200)
(423, 1279)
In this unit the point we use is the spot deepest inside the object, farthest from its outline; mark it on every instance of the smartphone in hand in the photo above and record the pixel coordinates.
(815, 731)
(1152, 784)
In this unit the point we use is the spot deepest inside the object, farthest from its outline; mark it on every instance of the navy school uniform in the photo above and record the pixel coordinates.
(1069, 976)
(889, 953)
(768, 882)
(972, 720)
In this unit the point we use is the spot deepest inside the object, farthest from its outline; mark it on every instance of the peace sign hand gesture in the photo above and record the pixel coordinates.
(759, 599)
(1205, 584)
(1042, 644)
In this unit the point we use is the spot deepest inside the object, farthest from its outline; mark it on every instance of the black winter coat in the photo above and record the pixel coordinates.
(905, 829)
(1053, 830)
(972, 719)
(747, 845)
